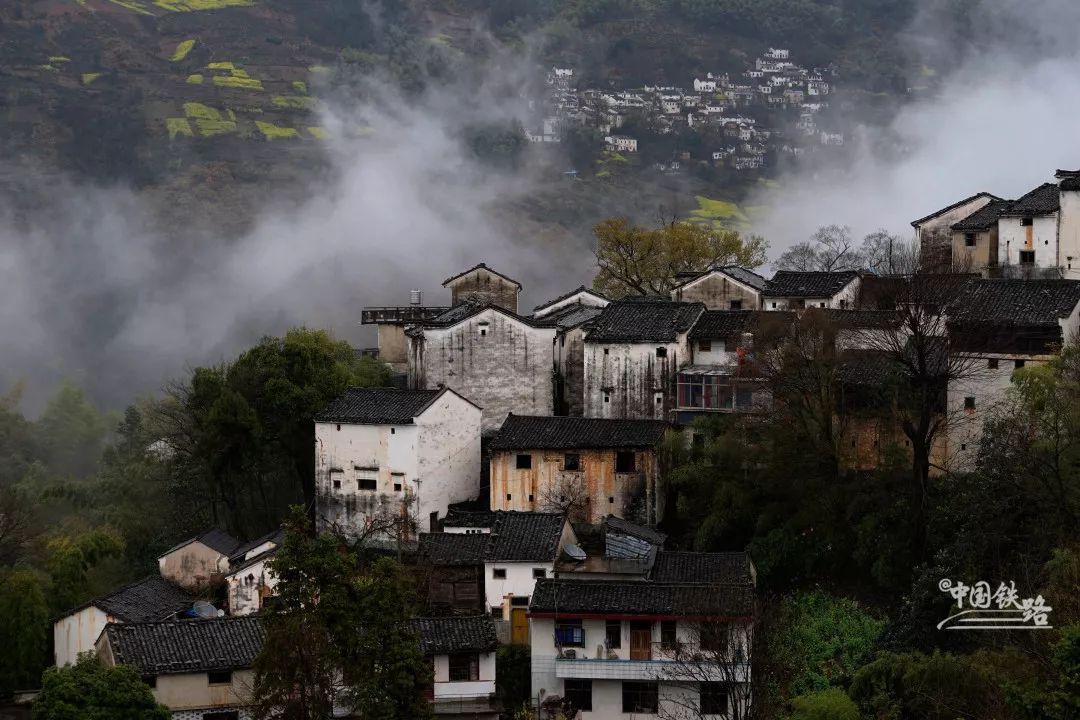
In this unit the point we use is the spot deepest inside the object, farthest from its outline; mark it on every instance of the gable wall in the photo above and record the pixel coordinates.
(485, 287)
(717, 291)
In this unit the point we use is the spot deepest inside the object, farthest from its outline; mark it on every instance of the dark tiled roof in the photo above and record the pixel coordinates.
(625, 527)
(730, 568)
(643, 320)
(790, 283)
(467, 309)
(277, 537)
(861, 319)
(470, 518)
(445, 635)
(152, 598)
(564, 296)
(214, 538)
(480, 266)
(524, 537)
(378, 406)
(1015, 302)
(454, 548)
(570, 316)
(1043, 200)
(187, 646)
(942, 211)
(606, 597)
(741, 274)
(527, 432)
(868, 368)
(722, 323)
(984, 218)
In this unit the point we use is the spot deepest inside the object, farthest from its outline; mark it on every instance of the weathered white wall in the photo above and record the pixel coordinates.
(519, 582)
(500, 363)
(249, 586)
(1012, 238)
(482, 687)
(936, 232)
(441, 450)
(193, 566)
(193, 690)
(843, 299)
(76, 633)
(629, 380)
(1069, 234)
(716, 290)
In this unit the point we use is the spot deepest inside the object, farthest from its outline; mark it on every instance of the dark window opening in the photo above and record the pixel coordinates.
(1027, 257)
(539, 573)
(625, 462)
(393, 430)
(367, 484)
(704, 345)
(150, 680)
(714, 698)
(498, 573)
(611, 501)
(668, 637)
(969, 239)
(568, 633)
(339, 428)
(1027, 222)
(639, 697)
(464, 667)
(219, 677)
(607, 398)
(337, 484)
(496, 612)
(1019, 364)
(524, 462)
(661, 352)
(397, 487)
(613, 634)
(731, 344)
(530, 498)
(578, 693)
(519, 601)
(735, 305)
(969, 403)
(571, 461)
(992, 363)
(605, 351)
(714, 638)
(963, 446)
(507, 497)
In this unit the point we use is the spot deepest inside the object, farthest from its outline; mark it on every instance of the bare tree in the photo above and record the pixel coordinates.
(567, 495)
(887, 254)
(831, 248)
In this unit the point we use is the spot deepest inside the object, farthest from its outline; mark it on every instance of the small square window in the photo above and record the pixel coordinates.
(714, 698)
(992, 364)
(659, 398)
(668, 637)
(569, 633)
(524, 461)
(150, 680)
(640, 697)
(337, 484)
(578, 693)
(661, 352)
(963, 446)
(496, 612)
(611, 501)
(625, 461)
(367, 484)
(219, 677)
(464, 667)
(539, 573)
(571, 461)
(393, 430)
(397, 487)
(339, 428)
(969, 239)
(1019, 364)
(821, 305)
(530, 498)
(735, 305)
(704, 345)
(774, 306)
(969, 403)
(508, 497)
(605, 351)
(498, 573)
(607, 398)
(1027, 257)
(1027, 222)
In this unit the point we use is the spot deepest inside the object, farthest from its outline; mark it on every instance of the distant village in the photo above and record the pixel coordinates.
(519, 464)
(716, 103)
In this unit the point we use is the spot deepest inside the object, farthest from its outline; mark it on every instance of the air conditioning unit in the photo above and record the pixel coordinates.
(568, 653)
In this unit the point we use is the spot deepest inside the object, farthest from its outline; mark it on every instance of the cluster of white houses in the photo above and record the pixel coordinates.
(521, 464)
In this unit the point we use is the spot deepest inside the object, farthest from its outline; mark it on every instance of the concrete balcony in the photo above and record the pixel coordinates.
(658, 669)
(398, 315)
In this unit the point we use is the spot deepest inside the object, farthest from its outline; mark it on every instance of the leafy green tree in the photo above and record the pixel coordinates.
(633, 260)
(830, 704)
(71, 433)
(1058, 699)
(512, 676)
(89, 690)
(24, 625)
(70, 560)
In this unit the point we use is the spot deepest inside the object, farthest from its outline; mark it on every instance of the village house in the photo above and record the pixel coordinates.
(727, 287)
(587, 468)
(150, 599)
(678, 643)
(632, 351)
(391, 322)
(623, 143)
(614, 549)
(250, 581)
(1028, 234)
(975, 239)
(517, 549)
(452, 570)
(933, 233)
(199, 669)
(482, 285)
(496, 358)
(462, 654)
(997, 327)
(199, 561)
(389, 461)
(792, 290)
(569, 313)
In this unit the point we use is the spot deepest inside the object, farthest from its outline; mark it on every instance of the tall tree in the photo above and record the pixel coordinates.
(633, 260)
(89, 690)
(24, 626)
(830, 248)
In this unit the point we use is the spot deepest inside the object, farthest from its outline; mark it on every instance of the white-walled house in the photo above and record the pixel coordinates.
(625, 143)
(250, 581)
(569, 314)
(150, 599)
(677, 645)
(722, 288)
(1028, 232)
(794, 290)
(632, 351)
(462, 654)
(998, 327)
(382, 453)
(497, 359)
(199, 669)
(933, 232)
(199, 561)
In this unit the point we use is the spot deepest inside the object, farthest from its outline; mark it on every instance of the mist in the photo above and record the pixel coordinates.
(96, 289)
(1003, 121)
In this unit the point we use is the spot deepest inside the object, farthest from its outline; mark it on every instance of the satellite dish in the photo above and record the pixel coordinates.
(204, 609)
(574, 552)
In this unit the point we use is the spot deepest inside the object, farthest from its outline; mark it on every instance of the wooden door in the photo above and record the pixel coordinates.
(519, 626)
(640, 641)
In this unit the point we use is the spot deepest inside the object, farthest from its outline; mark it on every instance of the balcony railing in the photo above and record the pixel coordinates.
(655, 669)
(399, 314)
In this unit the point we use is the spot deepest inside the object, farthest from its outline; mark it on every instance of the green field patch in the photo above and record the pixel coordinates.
(300, 86)
(199, 5)
(179, 126)
(718, 212)
(318, 133)
(210, 128)
(294, 102)
(48, 68)
(133, 5)
(59, 59)
(182, 50)
(88, 78)
(237, 82)
(198, 111)
(274, 132)
(319, 69)
(221, 66)
(195, 79)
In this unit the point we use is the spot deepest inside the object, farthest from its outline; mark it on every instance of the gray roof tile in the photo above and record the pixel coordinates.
(646, 320)
(1043, 200)
(700, 567)
(790, 283)
(527, 432)
(188, 646)
(152, 598)
(445, 635)
(377, 406)
(606, 597)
